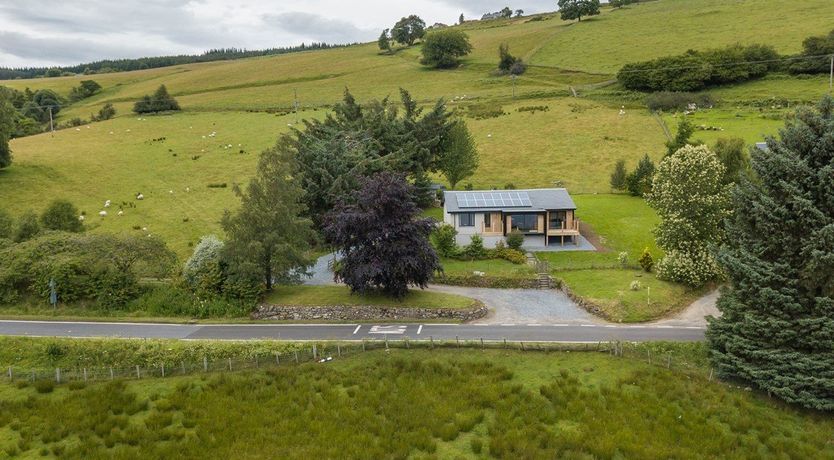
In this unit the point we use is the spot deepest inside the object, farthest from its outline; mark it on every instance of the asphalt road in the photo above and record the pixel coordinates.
(298, 332)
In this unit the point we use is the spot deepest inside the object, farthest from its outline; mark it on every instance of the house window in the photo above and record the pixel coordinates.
(466, 220)
(556, 219)
(487, 220)
(525, 222)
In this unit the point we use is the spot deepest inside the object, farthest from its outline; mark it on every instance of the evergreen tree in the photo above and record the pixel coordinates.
(692, 201)
(619, 176)
(268, 239)
(384, 41)
(461, 19)
(459, 159)
(383, 242)
(777, 323)
(639, 182)
(159, 101)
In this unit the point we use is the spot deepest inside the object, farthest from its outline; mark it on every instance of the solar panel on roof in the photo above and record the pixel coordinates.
(493, 200)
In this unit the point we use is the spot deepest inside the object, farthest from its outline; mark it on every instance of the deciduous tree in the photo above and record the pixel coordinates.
(383, 242)
(384, 41)
(692, 200)
(777, 324)
(442, 48)
(267, 236)
(408, 30)
(575, 9)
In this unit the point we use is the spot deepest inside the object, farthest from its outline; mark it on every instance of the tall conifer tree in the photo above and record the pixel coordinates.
(777, 328)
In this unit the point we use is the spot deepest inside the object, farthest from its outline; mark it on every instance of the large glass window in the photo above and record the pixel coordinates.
(525, 222)
(556, 219)
(488, 220)
(466, 220)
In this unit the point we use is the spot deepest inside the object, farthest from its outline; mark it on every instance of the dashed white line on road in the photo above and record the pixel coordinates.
(560, 325)
(419, 329)
(587, 325)
(357, 329)
(508, 324)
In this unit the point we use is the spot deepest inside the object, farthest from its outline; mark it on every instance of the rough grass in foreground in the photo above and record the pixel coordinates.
(414, 404)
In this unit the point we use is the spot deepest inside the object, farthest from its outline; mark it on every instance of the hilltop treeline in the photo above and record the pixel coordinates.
(122, 65)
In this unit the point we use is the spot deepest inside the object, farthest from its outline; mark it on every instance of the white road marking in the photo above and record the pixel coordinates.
(587, 325)
(534, 324)
(387, 330)
(419, 329)
(357, 329)
(560, 325)
(509, 324)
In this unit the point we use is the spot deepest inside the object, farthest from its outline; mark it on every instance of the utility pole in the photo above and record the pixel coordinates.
(51, 128)
(295, 104)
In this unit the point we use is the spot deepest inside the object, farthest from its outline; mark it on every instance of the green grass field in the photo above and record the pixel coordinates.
(340, 295)
(413, 404)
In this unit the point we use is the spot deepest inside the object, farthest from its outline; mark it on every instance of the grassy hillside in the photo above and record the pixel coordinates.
(656, 28)
(575, 141)
(413, 404)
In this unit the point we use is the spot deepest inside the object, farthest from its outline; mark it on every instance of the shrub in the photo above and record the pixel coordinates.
(6, 225)
(515, 240)
(27, 227)
(44, 386)
(202, 271)
(512, 255)
(677, 100)
(732, 64)
(646, 261)
(639, 181)
(444, 240)
(509, 64)
(622, 258)
(105, 113)
(159, 101)
(475, 249)
(63, 216)
(635, 285)
(694, 267)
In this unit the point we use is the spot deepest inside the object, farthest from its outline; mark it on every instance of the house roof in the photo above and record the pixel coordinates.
(540, 199)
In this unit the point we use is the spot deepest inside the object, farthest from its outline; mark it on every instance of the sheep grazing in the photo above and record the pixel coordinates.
(171, 192)
(144, 229)
(121, 213)
(139, 196)
(188, 189)
(81, 218)
(102, 213)
(107, 204)
(78, 129)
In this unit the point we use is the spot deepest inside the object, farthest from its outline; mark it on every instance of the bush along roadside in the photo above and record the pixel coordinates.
(495, 282)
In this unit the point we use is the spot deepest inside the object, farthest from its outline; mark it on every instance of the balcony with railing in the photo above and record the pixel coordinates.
(563, 228)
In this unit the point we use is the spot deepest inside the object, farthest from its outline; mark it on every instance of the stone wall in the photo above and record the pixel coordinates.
(591, 307)
(365, 313)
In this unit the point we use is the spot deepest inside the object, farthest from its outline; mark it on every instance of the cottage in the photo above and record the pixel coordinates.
(545, 217)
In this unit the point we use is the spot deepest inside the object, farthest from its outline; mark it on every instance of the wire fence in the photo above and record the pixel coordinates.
(326, 352)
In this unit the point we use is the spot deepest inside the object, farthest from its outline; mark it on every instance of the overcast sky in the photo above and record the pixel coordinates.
(60, 32)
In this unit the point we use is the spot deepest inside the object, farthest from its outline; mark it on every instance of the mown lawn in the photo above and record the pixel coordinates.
(341, 295)
(622, 223)
(611, 291)
(414, 404)
(493, 267)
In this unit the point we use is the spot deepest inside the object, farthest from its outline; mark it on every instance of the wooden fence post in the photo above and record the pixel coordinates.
(111, 374)
(58, 375)
(162, 366)
(431, 340)
(314, 352)
(522, 346)
(205, 364)
(277, 360)
(457, 340)
(482, 343)
(296, 356)
(85, 374)
(257, 364)
(11, 376)
(138, 374)
(230, 363)
(339, 350)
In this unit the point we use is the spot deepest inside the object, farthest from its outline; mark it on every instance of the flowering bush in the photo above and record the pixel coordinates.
(622, 258)
(694, 267)
(635, 285)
